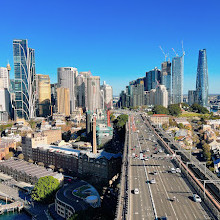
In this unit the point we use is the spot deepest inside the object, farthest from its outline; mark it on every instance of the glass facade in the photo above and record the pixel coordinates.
(177, 79)
(166, 77)
(202, 85)
(25, 82)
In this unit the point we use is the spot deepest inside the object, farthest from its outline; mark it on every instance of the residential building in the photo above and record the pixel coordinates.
(177, 79)
(63, 101)
(31, 140)
(43, 95)
(161, 96)
(202, 85)
(93, 93)
(66, 79)
(160, 119)
(25, 80)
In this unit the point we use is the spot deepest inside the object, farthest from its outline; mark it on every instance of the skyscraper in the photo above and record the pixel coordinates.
(66, 79)
(177, 79)
(25, 79)
(192, 97)
(43, 94)
(202, 85)
(81, 83)
(93, 93)
(153, 77)
(166, 77)
(107, 95)
(63, 101)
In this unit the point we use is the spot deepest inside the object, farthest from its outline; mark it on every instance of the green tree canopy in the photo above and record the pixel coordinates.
(45, 189)
(198, 108)
(120, 121)
(174, 109)
(159, 109)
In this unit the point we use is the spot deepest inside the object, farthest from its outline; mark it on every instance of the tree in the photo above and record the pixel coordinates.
(32, 123)
(112, 117)
(9, 155)
(45, 189)
(174, 109)
(199, 109)
(180, 126)
(21, 156)
(159, 109)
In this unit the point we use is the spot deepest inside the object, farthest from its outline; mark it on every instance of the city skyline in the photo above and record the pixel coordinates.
(107, 47)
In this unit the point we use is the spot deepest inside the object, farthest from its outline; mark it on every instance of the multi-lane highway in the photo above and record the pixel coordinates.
(156, 199)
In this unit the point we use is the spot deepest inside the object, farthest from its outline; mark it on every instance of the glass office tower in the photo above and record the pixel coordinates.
(177, 79)
(202, 85)
(25, 79)
(166, 77)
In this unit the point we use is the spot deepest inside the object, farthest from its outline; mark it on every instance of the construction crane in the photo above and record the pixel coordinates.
(183, 49)
(165, 55)
(175, 52)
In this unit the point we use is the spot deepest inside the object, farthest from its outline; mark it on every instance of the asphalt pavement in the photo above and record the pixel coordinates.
(156, 200)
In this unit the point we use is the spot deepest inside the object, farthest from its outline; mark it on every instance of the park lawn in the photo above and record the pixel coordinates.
(193, 114)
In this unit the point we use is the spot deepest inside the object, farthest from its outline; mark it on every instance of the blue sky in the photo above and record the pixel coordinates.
(117, 40)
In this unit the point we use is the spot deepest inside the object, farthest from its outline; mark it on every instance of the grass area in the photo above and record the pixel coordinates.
(193, 114)
(79, 191)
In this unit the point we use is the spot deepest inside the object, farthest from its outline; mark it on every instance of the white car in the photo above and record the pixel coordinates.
(136, 191)
(173, 170)
(153, 181)
(178, 170)
(196, 198)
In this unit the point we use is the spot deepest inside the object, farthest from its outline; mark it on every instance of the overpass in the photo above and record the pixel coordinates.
(155, 199)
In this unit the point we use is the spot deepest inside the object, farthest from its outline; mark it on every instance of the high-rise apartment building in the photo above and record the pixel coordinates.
(5, 77)
(93, 93)
(138, 94)
(63, 101)
(43, 95)
(192, 97)
(153, 78)
(66, 79)
(107, 96)
(166, 77)
(161, 96)
(25, 80)
(177, 79)
(202, 85)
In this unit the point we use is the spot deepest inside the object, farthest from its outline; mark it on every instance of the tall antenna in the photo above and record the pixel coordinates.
(165, 55)
(175, 52)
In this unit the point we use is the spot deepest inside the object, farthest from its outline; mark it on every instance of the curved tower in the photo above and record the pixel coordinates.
(202, 85)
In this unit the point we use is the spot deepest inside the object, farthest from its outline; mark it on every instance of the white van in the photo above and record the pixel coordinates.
(173, 170)
(136, 191)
